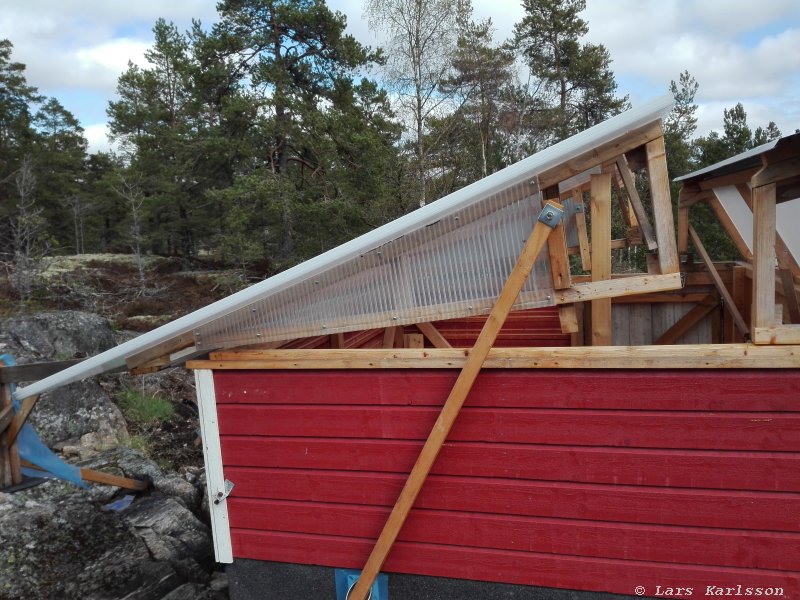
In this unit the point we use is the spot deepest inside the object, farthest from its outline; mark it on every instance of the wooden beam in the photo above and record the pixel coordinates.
(434, 335)
(6, 416)
(164, 348)
(601, 256)
(776, 172)
(662, 206)
(636, 203)
(763, 304)
(625, 286)
(790, 296)
(337, 340)
(683, 230)
(689, 356)
(602, 153)
(728, 179)
(687, 322)
(25, 408)
(413, 340)
(559, 260)
(778, 334)
(568, 317)
(583, 237)
(103, 478)
(389, 335)
(718, 283)
(516, 280)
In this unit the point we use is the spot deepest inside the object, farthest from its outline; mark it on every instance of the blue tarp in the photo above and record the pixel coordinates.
(32, 449)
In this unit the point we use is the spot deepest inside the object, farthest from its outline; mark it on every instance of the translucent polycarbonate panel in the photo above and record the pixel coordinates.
(291, 290)
(736, 208)
(788, 220)
(452, 267)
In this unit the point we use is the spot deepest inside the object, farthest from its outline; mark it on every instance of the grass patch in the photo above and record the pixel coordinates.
(144, 410)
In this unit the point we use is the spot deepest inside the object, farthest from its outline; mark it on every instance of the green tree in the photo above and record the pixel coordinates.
(577, 77)
(422, 41)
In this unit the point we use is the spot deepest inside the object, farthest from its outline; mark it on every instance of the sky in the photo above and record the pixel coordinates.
(738, 50)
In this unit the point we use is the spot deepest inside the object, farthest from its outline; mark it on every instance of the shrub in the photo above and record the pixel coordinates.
(144, 410)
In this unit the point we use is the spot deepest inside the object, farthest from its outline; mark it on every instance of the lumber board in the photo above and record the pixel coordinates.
(101, 477)
(617, 287)
(690, 356)
(736, 178)
(455, 400)
(413, 340)
(777, 334)
(26, 406)
(730, 305)
(701, 546)
(433, 335)
(763, 300)
(636, 203)
(568, 316)
(164, 348)
(662, 206)
(683, 230)
(775, 172)
(601, 256)
(602, 153)
(583, 238)
(6, 416)
(559, 260)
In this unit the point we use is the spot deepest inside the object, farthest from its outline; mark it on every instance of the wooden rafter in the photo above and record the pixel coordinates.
(662, 206)
(729, 303)
(433, 335)
(636, 203)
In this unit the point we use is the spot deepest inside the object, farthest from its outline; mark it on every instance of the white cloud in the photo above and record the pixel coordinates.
(97, 137)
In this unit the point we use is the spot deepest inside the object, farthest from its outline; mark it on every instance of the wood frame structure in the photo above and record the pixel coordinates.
(763, 177)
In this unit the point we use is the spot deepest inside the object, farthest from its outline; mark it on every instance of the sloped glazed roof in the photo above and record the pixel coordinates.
(444, 260)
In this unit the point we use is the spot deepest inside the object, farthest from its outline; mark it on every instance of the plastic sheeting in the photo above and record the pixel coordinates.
(32, 449)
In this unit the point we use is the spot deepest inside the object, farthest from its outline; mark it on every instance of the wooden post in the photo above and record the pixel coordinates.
(636, 203)
(10, 470)
(516, 280)
(763, 305)
(662, 206)
(601, 256)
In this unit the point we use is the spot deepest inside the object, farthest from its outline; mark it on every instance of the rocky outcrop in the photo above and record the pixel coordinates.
(55, 336)
(60, 542)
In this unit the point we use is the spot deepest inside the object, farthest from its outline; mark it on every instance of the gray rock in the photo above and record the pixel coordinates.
(131, 463)
(80, 414)
(55, 335)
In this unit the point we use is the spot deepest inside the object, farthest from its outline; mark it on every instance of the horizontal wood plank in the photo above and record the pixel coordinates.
(728, 509)
(740, 390)
(689, 356)
(641, 429)
(576, 537)
(680, 468)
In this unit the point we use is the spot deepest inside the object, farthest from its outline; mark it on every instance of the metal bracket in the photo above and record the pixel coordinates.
(224, 494)
(551, 215)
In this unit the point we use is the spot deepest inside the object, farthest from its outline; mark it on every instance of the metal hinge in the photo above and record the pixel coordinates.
(551, 215)
(221, 495)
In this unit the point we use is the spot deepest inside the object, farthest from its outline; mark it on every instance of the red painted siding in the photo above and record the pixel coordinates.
(585, 480)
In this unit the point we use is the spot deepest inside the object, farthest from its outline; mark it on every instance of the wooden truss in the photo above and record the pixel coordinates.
(775, 273)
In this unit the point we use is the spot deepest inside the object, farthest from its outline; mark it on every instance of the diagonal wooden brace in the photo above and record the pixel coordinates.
(548, 219)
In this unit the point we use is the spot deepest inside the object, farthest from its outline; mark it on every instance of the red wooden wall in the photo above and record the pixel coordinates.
(589, 480)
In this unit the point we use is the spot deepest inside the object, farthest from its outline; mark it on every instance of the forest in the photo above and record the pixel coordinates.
(272, 135)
